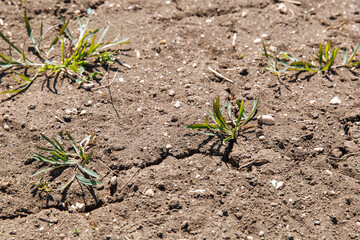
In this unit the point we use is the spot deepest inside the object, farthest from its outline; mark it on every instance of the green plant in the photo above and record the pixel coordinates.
(349, 61)
(42, 185)
(76, 231)
(231, 128)
(74, 57)
(325, 59)
(60, 158)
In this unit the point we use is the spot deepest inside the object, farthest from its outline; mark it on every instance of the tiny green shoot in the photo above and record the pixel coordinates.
(233, 127)
(58, 157)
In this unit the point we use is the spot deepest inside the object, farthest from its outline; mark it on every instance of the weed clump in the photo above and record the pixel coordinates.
(58, 157)
(233, 127)
(73, 60)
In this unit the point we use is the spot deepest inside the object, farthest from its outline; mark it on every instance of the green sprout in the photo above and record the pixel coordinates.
(349, 61)
(60, 158)
(75, 54)
(232, 127)
(42, 185)
(325, 59)
(76, 231)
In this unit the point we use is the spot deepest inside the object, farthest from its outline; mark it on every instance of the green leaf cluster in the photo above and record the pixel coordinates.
(58, 157)
(325, 59)
(75, 53)
(232, 127)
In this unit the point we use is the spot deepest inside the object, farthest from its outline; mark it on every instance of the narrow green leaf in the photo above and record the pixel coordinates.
(320, 55)
(43, 170)
(354, 52)
(73, 143)
(40, 157)
(37, 45)
(10, 44)
(57, 37)
(87, 158)
(197, 126)
(67, 32)
(88, 171)
(103, 34)
(87, 181)
(68, 183)
(28, 28)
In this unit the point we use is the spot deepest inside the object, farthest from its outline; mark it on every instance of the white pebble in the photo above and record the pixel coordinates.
(149, 192)
(88, 86)
(258, 40)
(6, 127)
(273, 48)
(261, 233)
(335, 101)
(266, 120)
(1, 21)
(177, 104)
(319, 149)
(168, 146)
(77, 12)
(188, 85)
(244, 14)
(121, 80)
(41, 228)
(113, 181)
(264, 36)
(280, 185)
(83, 112)
(171, 93)
(282, 8)
(312, 102)
(328, 172)
(249, 238)
(261, 138)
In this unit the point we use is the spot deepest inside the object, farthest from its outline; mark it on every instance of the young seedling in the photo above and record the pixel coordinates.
(74, 57)
(325, 59)
(350, 61)
(42, 185)
(60, 158)
(233, 127)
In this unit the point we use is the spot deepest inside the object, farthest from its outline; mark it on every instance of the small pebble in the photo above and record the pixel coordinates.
(113, 181)
(265, 36)
(88, 104)
(171, 93)
(335, 101)
(168, 146)
(188, 85)
(312, 102)
(88, 86)
(317, 222)
(262, 138)
(6, 127)
(244, 14)
(280, 185)
(319, 149)
(177, 104)
(149, 193)
(328, 172)
(31, 106)
(249, 238)
(1, 21)
(258, 40)
(261, 233)
(282, 8)
(266, 120)
(83, 112)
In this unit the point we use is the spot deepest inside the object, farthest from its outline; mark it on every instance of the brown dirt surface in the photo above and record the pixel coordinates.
(172, 182)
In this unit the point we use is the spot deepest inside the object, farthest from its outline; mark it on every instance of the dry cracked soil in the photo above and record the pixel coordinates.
(160, 179)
